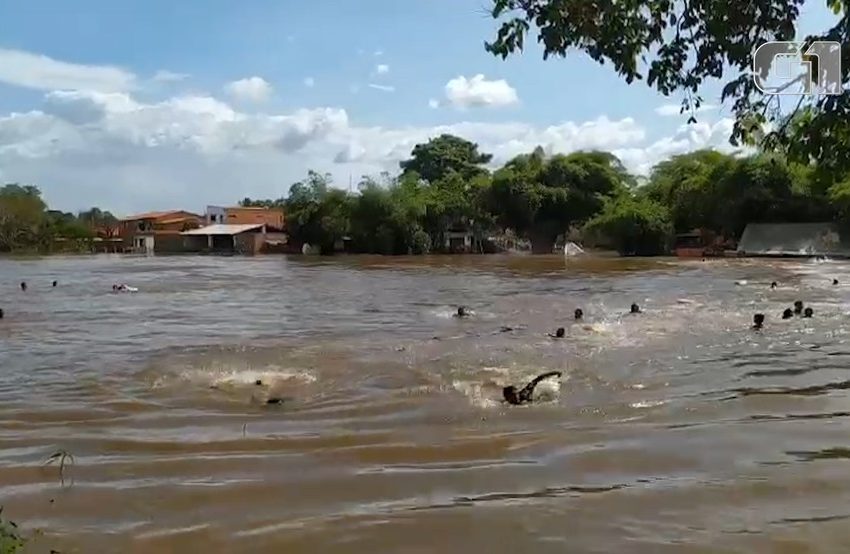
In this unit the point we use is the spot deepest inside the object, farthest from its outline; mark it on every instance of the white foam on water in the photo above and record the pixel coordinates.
(229, 377)
(474, 393)
(647, 404)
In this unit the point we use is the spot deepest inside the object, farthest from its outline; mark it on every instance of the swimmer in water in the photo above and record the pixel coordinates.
(1, 314)
(578, 314)
(834, 282)
(559, 333)
(758, 321)
(635, 309)
(808, 312)
(516, 398)
(55, 283)
(787, 314)
(798, 307)
(773, 285)
(23, 286)
(461, 312)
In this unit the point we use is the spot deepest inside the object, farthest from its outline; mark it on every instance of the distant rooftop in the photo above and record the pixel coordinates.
(159, 215)
(149, 215)
(223, 229)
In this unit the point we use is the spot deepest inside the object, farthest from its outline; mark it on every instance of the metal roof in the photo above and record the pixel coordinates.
(223, 229)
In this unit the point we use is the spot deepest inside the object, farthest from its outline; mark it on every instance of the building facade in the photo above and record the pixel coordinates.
(157, 232)
(272, 218)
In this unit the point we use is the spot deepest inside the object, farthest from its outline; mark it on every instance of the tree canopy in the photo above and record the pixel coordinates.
(446, 154)
(678, 47)
(27, 224)
(543, 197)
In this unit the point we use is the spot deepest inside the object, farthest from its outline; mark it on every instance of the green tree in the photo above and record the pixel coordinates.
(316, 213)
(634, 226)
(710, 190)
(678, 46)
(542, 198)
(445, 154)
(267, 203)
(102, 223)
(21, 215)
(689, 185)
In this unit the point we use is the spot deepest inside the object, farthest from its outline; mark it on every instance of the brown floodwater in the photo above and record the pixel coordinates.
(676, 430)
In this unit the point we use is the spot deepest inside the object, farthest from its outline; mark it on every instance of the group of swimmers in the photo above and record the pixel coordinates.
(526, 394)
(24, 288)
(798, 311)
(54, 284)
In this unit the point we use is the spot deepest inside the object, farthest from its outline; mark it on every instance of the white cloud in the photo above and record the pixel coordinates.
(379, 53)
(164, 76)
(382, 69)
(479, 92)
(251, 89)
(672, 110)
(309, 82)
(433, 103)
(187, 151)
(384, 88)
(35, 71)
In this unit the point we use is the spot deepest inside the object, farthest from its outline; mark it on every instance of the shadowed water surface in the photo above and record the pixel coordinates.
(676, 430)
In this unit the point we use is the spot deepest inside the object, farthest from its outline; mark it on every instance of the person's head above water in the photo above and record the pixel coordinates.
(1, 314)
(559, 332)
(635, 309)
(808, 312)
(578, 313)
(23, 285)
(461, 312)
(758, 321)
(835, 281)
(773, 285)
(798, 306)
(55, 283)
(787, 314)
(510, 395)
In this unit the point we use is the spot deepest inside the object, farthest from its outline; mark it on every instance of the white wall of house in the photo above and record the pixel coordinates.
(452, 236)
(216, 214)
(143, 244)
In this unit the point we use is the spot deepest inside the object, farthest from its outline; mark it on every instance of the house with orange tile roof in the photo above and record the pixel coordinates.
(272, 218)
(157, 232)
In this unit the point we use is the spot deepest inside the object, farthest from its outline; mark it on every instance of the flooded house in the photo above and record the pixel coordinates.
(238, 230)
(272, 218)
(157, 232)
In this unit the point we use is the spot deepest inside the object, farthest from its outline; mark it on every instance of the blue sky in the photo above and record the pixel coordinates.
(118, 136)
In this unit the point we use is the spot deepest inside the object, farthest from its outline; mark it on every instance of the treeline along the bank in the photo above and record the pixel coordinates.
(447, 189)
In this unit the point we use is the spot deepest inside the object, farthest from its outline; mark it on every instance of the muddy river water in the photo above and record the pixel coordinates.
(676, 430)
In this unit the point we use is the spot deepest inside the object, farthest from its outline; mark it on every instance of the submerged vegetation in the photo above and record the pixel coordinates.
(11, 539)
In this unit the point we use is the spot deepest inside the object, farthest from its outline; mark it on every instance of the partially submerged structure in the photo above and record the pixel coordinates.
(273, 218)
(222, 238)
(157, 232)
(793, 240)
